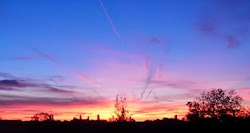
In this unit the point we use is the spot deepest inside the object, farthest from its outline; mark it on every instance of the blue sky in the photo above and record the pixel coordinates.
(101, 48)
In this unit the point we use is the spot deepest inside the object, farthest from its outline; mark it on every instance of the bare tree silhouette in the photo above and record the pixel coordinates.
(42, 117)
(121, 111)
(216, 104)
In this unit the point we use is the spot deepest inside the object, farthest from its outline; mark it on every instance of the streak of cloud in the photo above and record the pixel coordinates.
(149, 93)
(55, 78)
(237, 22)
(24, 100)
(45, 56)
(155, 40)
(5, 75)
(7, 89)
(158, 76)
(56, 90)
(207, 25)
(12, 85)
(84, 78)
(23, 58)
(110, 20)
(148, 69)
(88, 80)
(232, 42)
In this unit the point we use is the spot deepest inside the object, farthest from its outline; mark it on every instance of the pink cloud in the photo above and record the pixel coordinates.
(84, 78)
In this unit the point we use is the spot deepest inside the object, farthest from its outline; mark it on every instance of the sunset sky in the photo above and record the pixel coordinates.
(72, 57)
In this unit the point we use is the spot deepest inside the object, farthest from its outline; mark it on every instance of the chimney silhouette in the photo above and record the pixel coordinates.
(98, 117)
(51, 117)
(175, 117)
(88, 118)
(80, 117)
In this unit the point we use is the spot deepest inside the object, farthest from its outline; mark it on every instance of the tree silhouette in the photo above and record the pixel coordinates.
(42, 117)
(216, 104)
(245, 112)
(121, 111)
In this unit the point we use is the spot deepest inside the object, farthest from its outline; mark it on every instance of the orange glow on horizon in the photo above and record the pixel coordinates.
(105, 111)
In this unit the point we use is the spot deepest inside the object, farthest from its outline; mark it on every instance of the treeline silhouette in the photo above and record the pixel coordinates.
(214, 111)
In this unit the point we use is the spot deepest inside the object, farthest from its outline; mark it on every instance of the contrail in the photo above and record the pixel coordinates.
(148, 68)
(109, 19)
(158, 74)
(149, 94)
(86, 79)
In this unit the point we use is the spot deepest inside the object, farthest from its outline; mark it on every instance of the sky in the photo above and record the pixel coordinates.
(73, 57)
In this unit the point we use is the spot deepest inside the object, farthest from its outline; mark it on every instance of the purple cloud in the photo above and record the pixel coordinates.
(37, 86)
(7, 88)
(155, 40)
(56, 90)
(235, 19)
(232, 42)
(11, 83)
(24, 100)
(207, 25)
(5, 75)
(20, 83)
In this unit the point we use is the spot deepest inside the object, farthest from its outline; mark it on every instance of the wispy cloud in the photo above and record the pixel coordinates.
(148, 68)
(56, 90)
(84, 78)
(7, 89)
(19, 83)
(25, 100)
(175, 83)
(6, 75)
(55, 78)
(157, 78)
(44, 55)
(235, 19)
(155, 40)
(35, 57)
(41, 93)
(207, 25)
(23, 58)
(11, 83)
(232, 42)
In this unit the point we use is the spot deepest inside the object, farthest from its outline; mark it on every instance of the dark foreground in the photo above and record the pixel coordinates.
(160, 126)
